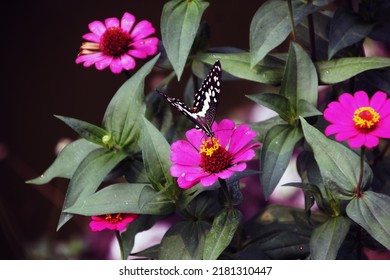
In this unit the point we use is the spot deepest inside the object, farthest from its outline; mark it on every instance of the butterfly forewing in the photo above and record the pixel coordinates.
(205, 101)
(206, 98)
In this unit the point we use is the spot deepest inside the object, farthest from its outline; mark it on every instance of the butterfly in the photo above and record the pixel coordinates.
(205, 101)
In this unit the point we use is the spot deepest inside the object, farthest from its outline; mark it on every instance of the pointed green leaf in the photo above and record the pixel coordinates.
(86, 130)
(267, 71)
(119, 198)
(300, 81)
(87, 178)
(338, 70)
(270, 26)
(179, 24)
(123, 115)
(155, 202)
(66, 162)
(372, 212)
(184, 241)
(339, 166)
(156, 156)
(277, 148)
(221, 233)
(276, 102)
(307, 109)
(346, 29)
(142, 223)
(327, 238)
(263, 127)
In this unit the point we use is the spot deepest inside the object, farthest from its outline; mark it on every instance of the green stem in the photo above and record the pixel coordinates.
(290, 10)
(359, 184)
(225, 191)
(120, 242)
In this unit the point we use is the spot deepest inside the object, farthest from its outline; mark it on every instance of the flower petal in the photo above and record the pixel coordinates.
(111, 22)
(361, 99)
(128, 62)
(137, 54)
(223, 131)
(195, 137)
(385, 110)
(92, 37)
(245, 154)
(127, 22)
(209, 180)
(225, 174)
(378, 100)
(371, 141)
(348, 102)
(178, 170)
(184, 153)
(104, 63)
(149, 45)
(116, 66)
(89, 59)
(239, 167)
(357, 141)
(240, 137)
(185, 184)
(142, 30)
(97, 27)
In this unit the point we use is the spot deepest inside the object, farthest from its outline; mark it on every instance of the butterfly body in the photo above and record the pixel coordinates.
(204, 109)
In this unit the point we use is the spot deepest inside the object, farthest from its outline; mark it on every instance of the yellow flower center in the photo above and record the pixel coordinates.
(214, 158)
(114, 218)
(366, 119)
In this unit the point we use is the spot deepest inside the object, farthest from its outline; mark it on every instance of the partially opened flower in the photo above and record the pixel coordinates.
(117, 221)
(116, 43)
(205, 160)
(358, 119)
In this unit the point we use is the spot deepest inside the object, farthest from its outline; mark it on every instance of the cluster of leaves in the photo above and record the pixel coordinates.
(133, 140)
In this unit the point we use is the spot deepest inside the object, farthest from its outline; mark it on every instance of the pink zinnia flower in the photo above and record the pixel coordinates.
(117, 221)
(115, 43)
(358, 119)
(205, 160)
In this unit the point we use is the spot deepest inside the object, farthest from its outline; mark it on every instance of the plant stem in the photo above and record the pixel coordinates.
(119, 238)
(225, 191)
(290, 10)
(359, 184)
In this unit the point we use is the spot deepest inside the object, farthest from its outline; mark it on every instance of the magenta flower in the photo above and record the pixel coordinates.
(358, 119)
(116, 43)
(111, 221)
(205, 160)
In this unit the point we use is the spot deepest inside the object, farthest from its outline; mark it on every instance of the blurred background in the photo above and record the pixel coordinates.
(40, 42)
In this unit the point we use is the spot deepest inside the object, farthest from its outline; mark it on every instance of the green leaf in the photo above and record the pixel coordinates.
(123, 115)
(142, 223)
(87, 178)
(156, 156)
(327, 238)
(346, 29)
(307, 109)
(300, 81)
(184, 241)
(86, 130)
(270, 26)
(372, 212)
(119, 198)
(221, 233)
(277, 148)
(276, 102)
(179, 24)
(156, 202)
(279, 232)
(268, 71)
(66, 162)
(338, 70)
(263, 127)
(339, 166)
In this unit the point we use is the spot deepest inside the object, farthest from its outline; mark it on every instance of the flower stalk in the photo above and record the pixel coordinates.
(120, 242)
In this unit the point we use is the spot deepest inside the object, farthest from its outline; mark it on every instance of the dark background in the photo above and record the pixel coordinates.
(39, 78)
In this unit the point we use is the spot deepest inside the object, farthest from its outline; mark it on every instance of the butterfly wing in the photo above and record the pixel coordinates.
(205, 101)
(206, 98)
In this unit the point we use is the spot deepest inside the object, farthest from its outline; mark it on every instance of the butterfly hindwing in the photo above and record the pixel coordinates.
(205, 101)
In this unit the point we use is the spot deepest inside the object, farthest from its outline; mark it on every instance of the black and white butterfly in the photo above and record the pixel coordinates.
(205, 101)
